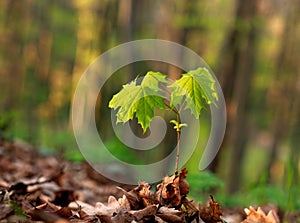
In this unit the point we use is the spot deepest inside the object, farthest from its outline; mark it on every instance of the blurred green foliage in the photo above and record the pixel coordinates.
(6, 119)
(202, 184)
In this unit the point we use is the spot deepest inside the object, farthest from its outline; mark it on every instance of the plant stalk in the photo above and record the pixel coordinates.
(178, 146)
(177, 153)
(178, 134)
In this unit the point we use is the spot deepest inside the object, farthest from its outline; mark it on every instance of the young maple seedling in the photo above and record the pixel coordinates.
(193, 91)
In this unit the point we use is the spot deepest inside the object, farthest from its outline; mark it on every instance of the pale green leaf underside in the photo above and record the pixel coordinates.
(140, 100)
(152, 79)
(195, 89)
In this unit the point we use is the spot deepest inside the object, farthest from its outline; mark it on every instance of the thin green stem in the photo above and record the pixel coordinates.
(178, 145)
(178, 131)
(172, 109)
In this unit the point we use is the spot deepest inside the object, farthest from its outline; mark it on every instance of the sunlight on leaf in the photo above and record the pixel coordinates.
(140, 100)
(193, 90)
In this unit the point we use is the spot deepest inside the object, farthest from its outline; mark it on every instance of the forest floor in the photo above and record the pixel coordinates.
(38, 188)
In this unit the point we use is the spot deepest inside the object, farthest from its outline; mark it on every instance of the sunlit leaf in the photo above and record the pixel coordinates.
(193, 90)
(140, 100)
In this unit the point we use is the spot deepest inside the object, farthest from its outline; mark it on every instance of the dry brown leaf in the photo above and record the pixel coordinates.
(98, 209)
(105, 219)
(147, 211)
(158, 219)
(184, 186)
(140, 196)
(6, 210)
(46, 216)
(212, 213)
(123, 216)
(132, 197)
(145, 194)
(192, 212)
(166, 210)
(47, 207)
(171, 190)
(84, 217)
(170, 218)
(124, 203)
(64, 212)
(82, 214)
(63, 197)
(79, 204)
(259, 215)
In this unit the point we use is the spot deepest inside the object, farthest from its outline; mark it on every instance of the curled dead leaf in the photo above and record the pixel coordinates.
(212, 213)
(192, 212)
(260, 216)
(184, 186)
(172, 189)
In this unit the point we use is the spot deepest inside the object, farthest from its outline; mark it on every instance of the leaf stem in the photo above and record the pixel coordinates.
(178, 131)
(178, 145)
(181, 106)
(172, 109)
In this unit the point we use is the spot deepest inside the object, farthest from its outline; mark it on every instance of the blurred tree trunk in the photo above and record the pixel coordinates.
(12, 69)
(37, 54)
(89, 27)
(126, 19)
(27, 55)
(295, 141)
(285, 86)
(167, 29)
(15, 16)
(236, 70)
(289, 104)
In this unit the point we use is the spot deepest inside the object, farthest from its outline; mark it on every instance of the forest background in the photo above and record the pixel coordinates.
(253, 47)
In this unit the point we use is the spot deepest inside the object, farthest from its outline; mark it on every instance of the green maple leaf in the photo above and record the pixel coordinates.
(139, 99)
(193, 90)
